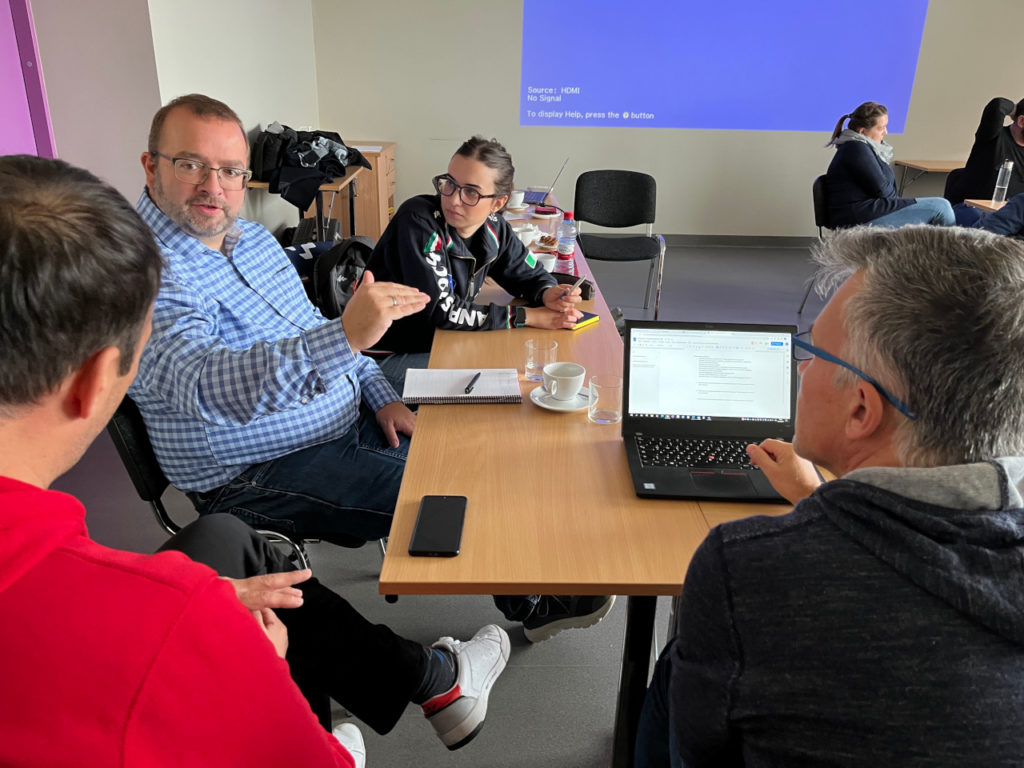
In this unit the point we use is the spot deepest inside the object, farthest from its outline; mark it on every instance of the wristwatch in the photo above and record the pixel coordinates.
(520, 318)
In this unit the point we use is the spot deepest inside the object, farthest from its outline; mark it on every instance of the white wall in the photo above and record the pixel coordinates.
(101, 86)
(386, 71)
(254, 55)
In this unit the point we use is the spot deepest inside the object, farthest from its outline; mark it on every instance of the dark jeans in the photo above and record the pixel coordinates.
(655, 739)
(344, 488)
(333, 652)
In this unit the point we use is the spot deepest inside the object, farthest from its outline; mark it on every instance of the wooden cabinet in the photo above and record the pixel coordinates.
(375, 191)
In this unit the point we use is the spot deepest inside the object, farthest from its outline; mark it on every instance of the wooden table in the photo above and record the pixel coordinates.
(334, 186)
(551, 504)
(922, 167)
(984, 205)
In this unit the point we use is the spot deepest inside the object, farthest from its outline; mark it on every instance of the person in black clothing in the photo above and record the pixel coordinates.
(994, 143)
(860, 184)
(447, 244)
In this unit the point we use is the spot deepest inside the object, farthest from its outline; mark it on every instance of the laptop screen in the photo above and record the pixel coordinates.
(708, 373)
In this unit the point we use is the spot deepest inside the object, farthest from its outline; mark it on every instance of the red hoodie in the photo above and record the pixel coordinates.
(110, 658)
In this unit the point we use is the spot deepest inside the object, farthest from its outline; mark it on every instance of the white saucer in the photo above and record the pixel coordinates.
(510, 209)
(540, 397)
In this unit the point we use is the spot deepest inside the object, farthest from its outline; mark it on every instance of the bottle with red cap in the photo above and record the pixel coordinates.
(566, 245)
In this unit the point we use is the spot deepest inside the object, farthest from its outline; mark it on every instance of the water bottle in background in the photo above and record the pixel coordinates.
(1002, 182)
(566, 245)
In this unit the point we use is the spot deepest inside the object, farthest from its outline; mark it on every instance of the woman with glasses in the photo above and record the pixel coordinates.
(860, 185)
(446, 244)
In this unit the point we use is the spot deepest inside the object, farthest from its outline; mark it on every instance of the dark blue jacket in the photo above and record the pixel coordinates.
(860, 186)
(866, 628)
(419, 249)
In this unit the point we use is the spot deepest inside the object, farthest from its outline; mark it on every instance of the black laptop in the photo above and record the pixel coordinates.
(694, 395)
(537, 197)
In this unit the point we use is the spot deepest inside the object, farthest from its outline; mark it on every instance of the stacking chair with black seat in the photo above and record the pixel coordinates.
(621, 199)
(128, 431)
(820, 196)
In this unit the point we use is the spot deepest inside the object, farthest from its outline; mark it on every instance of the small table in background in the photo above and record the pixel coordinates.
(920, 167)
(984, 205)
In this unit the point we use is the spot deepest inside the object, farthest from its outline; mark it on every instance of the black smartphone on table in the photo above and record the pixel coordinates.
(438, 529)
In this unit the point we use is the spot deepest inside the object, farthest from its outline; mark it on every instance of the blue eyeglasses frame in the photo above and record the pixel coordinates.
(898, 404)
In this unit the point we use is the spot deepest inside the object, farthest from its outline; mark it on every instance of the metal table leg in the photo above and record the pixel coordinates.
(636, 665)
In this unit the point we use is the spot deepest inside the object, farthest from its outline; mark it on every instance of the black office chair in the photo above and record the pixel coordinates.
(621, 199)
(820, 196)
(128, 431)
(950, 192)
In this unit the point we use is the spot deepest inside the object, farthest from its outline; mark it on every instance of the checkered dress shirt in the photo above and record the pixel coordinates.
(241, 367)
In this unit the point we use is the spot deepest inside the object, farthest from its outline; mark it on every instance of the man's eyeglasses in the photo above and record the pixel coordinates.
(802, 350)
(196, 172)
(469, 195)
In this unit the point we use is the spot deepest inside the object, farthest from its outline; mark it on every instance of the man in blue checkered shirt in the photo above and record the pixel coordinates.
(255, 404)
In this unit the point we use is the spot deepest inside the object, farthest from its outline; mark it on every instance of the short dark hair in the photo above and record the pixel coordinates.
(200, 106)
(865, 116)
(491, 153)
(79, 271)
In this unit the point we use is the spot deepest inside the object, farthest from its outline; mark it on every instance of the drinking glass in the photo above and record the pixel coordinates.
(539, 352)
(605, 399)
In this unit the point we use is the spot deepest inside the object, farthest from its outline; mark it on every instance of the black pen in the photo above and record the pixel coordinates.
(469, 387)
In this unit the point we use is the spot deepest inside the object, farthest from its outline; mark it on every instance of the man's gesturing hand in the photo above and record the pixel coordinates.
(374, 306)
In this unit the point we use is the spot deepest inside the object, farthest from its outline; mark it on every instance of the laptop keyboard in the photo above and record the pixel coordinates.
(697, 453)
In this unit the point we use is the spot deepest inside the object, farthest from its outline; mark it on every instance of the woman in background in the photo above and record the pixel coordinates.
(861, 187)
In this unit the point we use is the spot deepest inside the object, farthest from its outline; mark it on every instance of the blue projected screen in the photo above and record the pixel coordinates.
(790, 65)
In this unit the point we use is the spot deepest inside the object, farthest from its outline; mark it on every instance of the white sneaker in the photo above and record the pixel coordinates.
(352, 740)
(458, 715)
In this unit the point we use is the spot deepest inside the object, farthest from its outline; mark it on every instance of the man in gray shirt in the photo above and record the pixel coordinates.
(881, 622)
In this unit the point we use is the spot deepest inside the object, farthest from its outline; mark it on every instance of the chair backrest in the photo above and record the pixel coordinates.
(615, 198)
(128, 431)
(949, 191)
(820, 195)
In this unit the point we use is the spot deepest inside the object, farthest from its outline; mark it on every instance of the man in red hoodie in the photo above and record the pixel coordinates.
(116, 658)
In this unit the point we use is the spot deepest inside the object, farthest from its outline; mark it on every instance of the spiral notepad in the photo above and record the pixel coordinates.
(446, 386)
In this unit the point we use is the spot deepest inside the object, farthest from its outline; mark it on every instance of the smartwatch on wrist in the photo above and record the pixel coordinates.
(520, 317)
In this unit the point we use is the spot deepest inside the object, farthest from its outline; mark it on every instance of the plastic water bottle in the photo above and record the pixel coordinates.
(566, 245)
(1002, 182)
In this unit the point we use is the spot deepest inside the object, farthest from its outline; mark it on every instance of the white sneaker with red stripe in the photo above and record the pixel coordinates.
(458, 714)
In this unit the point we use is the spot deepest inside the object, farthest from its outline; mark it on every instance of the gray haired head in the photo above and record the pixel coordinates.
(939, 321)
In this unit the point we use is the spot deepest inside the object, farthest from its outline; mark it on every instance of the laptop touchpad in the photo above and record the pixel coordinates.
(721, 484)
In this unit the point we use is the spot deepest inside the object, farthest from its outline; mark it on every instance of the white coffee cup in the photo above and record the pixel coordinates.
(515, 198)
(563, 380)
(527, 233)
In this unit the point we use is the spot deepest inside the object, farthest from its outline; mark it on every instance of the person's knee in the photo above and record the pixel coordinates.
(944, 213)
(221, 525)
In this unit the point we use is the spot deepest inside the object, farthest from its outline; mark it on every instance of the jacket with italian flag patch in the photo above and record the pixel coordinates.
(419, 249)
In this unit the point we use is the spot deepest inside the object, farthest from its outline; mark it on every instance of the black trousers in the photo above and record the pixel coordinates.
(333, 651)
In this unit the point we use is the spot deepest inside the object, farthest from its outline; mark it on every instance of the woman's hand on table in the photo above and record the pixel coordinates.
(562, 298)
(542, 317)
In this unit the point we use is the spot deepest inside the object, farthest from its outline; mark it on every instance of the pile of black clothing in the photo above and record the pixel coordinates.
(296, 163)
